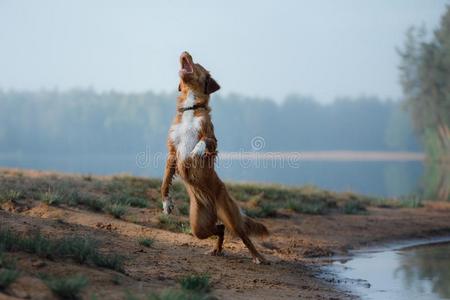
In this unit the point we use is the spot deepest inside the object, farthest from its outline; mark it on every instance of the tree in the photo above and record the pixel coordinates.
(425, 78)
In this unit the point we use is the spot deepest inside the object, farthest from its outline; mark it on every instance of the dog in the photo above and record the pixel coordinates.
(192, 149)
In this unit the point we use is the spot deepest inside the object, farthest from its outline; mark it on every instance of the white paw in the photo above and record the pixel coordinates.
(199, 149)
(168, 205)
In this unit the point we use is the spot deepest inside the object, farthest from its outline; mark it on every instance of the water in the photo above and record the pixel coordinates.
(389, 178)
(421, 272)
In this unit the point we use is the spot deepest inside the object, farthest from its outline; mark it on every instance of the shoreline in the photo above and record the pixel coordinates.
(298, 246)
(357, 274)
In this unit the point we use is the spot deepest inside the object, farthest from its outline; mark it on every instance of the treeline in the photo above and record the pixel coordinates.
(87, 122)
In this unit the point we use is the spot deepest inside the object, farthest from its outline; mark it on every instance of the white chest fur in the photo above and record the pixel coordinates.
(184, 135)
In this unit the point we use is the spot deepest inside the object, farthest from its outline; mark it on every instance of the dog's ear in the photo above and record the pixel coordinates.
(211, 85)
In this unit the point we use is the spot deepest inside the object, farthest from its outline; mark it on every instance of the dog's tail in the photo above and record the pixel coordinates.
(253, 228)
(235, 219)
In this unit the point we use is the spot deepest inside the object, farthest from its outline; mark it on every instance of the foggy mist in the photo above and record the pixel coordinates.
(323, 49)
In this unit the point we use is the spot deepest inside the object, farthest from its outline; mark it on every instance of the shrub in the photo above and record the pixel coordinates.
(128, 200)
(76, 198)
(51, 198)
(68, 287)
(129, 296)
(307, 207)
(264, 210)
(169, 223)
(353, 207)
(116, 210)
(7, 263)
(138, 202)
(36, 243)
(87, 177)
(7, 276)
(184, 209)
(184, 227)
(80, 249)
(8, 239)
(10, 195)
(146, 242)
(411, 201)
(111, 261)
(197, 283)
(172, 294)
(93, 203)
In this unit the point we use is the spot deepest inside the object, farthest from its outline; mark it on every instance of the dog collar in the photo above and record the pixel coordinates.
(193, 107)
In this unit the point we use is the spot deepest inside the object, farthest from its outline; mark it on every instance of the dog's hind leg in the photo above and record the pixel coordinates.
(203, 221)
(230, 215)
(220, 232)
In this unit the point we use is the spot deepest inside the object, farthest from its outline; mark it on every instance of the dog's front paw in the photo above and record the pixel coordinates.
(168, 205)
(199, 149)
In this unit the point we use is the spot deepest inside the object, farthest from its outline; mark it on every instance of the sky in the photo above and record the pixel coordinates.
(323, 49)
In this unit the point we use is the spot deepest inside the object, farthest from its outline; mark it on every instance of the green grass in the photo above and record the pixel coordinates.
(278, 193)
(137, 202)
(184, 209)
(264, 210)
(51, 197)
(193, 287)
(35, 243)
(10, 195)
(116, 279)
(85, 199)
(116, 210)
(185, 228)
(265, 199)
(7, 276)
(354, 207)
(178, 191)
(111, 261)
(115, 195)
(146, 242)
(411, 201)
(80, 249)
(67, 288)
(6, 263)
(170, 223)
(127, 200)
(8, 272)
(167, 222)
(307, 207)
(174, 294)
(197, 283)
(129, 187)
(130, 296)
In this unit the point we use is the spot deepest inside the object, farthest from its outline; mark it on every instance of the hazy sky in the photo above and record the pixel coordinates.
(257, 48)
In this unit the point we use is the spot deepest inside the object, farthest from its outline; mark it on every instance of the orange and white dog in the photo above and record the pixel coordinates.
(192, 151)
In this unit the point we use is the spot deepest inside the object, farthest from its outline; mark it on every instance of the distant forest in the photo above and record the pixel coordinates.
(87, 122)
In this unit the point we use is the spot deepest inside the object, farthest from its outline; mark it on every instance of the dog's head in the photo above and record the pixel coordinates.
(195, 78)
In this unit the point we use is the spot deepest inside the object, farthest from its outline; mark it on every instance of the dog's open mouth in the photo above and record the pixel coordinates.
(186, 66)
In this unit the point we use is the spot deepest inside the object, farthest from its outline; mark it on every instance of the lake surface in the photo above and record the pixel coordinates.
(372, 177)
(421, 272)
